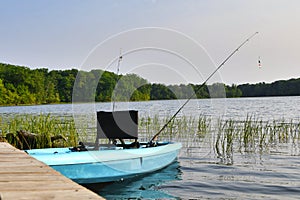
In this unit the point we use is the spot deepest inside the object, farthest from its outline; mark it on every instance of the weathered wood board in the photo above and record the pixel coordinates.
(23, 177)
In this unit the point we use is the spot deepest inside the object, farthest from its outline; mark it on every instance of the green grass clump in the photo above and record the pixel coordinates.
(225, 136)
(253, 135)
(226, 133)
(43, 126)
(183, 129)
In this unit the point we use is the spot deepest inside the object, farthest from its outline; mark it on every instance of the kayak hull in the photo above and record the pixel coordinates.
(109, 164)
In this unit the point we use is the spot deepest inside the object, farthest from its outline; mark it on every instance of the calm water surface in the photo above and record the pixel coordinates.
(198, 173)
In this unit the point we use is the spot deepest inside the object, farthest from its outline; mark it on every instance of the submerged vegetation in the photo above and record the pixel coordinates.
(226, 136)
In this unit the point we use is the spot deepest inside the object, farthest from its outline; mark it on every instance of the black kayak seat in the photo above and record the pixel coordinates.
(117, 125)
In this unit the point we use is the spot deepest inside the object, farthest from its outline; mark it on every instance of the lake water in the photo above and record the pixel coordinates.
(199, 173)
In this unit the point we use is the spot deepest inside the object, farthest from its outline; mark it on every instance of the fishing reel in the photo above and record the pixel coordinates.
(79, 148)
(152, 144)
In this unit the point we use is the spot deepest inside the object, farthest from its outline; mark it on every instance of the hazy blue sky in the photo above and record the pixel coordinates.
(61, 34)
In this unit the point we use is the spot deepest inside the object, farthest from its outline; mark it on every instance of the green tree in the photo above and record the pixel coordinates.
(160, 92)
(64, 83)
(201, 92)
(233, 91)
(105, 86)
(3, 94)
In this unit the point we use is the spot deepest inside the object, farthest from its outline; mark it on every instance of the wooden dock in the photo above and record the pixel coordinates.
(23, 177)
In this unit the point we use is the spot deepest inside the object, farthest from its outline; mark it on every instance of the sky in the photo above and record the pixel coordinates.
(166, 41)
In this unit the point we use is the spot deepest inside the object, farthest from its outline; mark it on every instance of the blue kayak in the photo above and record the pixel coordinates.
(107, 164)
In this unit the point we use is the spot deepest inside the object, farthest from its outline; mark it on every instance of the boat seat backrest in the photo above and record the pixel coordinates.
(117, 125)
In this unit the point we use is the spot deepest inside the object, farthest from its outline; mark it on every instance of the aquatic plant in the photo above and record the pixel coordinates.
(226, 132)
(252, 135)
(204, 125)
(43, 127)
(226, 136)
(186, 129)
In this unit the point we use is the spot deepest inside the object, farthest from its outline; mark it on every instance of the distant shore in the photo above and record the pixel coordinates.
(24, 86)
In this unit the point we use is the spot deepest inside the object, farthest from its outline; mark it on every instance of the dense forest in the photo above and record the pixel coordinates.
(22, 85)
(278, 88)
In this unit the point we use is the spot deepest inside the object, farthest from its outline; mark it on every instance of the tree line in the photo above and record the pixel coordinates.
(22, 85)
(289, 87)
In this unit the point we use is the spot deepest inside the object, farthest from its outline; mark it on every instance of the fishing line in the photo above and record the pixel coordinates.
(201, 86)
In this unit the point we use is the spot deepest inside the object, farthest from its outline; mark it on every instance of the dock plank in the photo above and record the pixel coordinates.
(23, 177)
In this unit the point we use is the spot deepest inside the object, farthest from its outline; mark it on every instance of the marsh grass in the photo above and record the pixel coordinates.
(229, 136)
(185, 129)
(224, 140)
(43, 126)
(255, 136)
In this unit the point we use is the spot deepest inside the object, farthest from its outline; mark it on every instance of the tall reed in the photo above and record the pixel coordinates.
(44, 126)
(248, 135)
(252, 134)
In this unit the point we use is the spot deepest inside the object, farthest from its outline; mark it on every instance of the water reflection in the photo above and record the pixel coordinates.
(146, 186)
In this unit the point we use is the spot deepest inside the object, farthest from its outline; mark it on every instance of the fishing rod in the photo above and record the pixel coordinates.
(201, 86)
